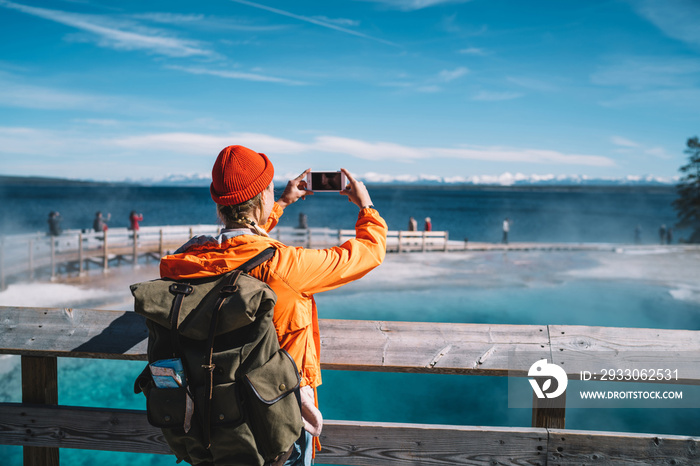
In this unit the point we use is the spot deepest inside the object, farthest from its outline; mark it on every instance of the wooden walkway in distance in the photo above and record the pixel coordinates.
(41, 335)
(26, 257)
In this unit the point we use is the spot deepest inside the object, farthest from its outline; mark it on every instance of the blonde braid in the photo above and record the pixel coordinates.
(238, 215)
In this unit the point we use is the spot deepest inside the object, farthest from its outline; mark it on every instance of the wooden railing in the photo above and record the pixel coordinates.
(41, 335)
(74, 251)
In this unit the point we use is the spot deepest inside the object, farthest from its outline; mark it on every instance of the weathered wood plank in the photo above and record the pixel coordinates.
(344, 442)
(477, 349)
(447, 348)
(82, 428)
(73, 333)
(378, 444)
(350, 345)
(574, 448)
(363, 443)
(583, 348)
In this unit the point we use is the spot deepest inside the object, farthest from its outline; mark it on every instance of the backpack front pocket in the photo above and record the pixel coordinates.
(167, 407)
(275, 416)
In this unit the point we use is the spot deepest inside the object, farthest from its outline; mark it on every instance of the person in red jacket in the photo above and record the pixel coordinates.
(134, 220)
(243, 191)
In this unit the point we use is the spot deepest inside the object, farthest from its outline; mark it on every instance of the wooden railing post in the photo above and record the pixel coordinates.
(105, 258)
(31, 259)
(160, 243)
(424, 234)
(53, 258)
(400, 238)
(80, 253)
(39, 386)
(549, 413)
(135, 251)
(2, 263)
(447, 238)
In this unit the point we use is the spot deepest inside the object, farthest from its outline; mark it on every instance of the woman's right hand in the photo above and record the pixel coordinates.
(294, 190)
(356, 191)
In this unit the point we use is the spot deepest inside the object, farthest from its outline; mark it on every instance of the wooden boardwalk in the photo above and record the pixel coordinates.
(43, 427)
(26, 257)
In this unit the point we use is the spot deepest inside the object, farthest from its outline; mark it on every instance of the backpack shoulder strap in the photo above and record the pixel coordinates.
(264, 256)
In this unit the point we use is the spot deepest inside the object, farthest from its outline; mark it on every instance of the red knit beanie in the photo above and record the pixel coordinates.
(239, 174)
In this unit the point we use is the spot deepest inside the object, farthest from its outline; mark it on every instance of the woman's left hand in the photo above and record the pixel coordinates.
(294, 190)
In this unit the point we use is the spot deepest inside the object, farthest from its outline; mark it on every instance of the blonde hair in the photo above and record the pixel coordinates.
(242, 215)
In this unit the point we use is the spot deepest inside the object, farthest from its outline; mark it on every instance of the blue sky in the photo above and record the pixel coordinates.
(385, 88)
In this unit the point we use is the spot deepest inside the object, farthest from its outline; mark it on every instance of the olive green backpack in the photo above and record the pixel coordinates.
(237, 401)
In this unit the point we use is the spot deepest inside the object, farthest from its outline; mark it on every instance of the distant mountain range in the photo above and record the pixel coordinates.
(505, 179)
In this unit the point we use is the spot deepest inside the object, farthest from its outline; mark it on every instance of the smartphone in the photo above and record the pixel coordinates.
(326, 181)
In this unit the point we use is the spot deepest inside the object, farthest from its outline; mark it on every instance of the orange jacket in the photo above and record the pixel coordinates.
(295, 274)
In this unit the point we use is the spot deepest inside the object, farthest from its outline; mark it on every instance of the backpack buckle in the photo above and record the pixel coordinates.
(181, 288)
(229, 290)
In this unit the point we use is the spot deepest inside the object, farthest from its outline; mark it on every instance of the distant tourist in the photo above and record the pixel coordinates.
(134, 220)
(638, 234)
(662, 234)
(54, 223)
(412, 224)
(669, 236)
(428, 224)
(100, 223)
(303, 221)
(506, 229)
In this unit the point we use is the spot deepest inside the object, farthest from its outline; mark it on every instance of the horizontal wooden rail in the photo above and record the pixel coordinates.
(362, 443)
(386, 346)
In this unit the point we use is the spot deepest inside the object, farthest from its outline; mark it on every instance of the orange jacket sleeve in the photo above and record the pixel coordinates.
(311, 271)
(274, 217)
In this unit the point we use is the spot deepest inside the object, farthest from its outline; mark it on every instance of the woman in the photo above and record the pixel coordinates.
(134, 219)
(243, 190)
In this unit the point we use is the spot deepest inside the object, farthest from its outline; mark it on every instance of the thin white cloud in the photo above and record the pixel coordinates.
(623, 142)
(411, 5)
(34, 141)
(313, 20)
(451, 75)
(204, 22)
(429, 89)
(631, 147)
(170, 18)
(107, 35)
(338, 21)
(677, 19)
(491, 96)
(13, 94)
(532, 83)
(193, 143)
(207, 144)
(472, 51)
(16, 92)
(647, 73)
(680, 98)
(232, 74)
(658, 152)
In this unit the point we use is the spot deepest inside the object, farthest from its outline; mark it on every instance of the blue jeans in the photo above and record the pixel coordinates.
(302, 451)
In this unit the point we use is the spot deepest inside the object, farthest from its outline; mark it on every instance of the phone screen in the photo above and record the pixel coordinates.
(325, 181)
